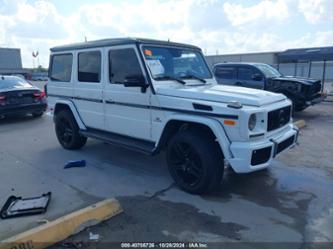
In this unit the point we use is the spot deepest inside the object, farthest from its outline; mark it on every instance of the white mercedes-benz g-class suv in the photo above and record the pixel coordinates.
(151, 96)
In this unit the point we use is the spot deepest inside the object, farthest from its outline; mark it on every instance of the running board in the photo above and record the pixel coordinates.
(143, 146)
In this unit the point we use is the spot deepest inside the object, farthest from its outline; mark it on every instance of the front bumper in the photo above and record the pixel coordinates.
(22, 109)
(257, 155)
(319, 98)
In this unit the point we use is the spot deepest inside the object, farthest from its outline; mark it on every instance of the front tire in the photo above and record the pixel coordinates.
(195, 161)
(299, 108)
(67, 131)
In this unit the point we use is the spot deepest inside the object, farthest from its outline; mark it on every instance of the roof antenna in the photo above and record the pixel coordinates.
(85, 39)
(168, 39)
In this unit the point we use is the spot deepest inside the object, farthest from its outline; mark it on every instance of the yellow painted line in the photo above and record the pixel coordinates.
(300, 123)
(63, 227)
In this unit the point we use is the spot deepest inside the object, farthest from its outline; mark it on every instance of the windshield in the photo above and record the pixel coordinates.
(269, 71)
(12, 82)
(177, 63)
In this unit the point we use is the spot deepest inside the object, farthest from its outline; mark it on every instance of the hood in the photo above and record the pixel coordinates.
(302, 80)
(222, 93)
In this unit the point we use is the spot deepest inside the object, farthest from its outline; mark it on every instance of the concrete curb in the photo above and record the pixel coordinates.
(63, 227)
(300, 123)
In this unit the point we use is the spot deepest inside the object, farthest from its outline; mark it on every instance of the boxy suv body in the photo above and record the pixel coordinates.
(150, 95)
(303, 92)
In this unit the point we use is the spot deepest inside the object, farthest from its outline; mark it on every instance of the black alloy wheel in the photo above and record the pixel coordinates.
(195, 161)
(186, 163)
(67, 131)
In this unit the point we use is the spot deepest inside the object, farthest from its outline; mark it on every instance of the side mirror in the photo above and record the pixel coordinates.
(136, 81)
(257, 77)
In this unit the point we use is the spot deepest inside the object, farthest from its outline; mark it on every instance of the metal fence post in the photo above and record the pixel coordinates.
(323, 79)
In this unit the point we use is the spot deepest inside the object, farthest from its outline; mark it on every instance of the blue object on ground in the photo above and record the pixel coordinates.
(73, 164)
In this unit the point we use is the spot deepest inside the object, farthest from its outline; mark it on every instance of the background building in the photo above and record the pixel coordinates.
(11, 62)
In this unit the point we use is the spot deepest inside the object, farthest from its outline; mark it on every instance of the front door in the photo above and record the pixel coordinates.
(126, 108)
(246, 77)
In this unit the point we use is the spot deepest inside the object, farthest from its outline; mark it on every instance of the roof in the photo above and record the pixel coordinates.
(10, 49)
(118, 41)
(239, 63)
(244, 54)
(306, 54)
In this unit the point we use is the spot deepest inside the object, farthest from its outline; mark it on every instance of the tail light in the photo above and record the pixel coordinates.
(2, 100)
(39, 95)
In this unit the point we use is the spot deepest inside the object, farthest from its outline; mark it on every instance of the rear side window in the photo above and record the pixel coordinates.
(245, 73)
(225, 72)
(89, 68)
(61, 67)
(123, 63)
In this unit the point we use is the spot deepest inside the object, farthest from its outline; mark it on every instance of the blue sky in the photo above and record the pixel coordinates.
(229, 26)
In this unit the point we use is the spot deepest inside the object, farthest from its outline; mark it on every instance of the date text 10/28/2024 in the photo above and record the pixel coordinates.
(163, 245)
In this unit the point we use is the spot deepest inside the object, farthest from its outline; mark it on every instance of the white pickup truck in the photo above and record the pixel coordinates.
(151, 96)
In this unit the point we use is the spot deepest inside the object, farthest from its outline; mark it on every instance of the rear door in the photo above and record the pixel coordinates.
(246, 77)
(88, 87)
(225, 75)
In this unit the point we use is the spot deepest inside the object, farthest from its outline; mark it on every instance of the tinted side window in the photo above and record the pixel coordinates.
(89, 69)
(61, 69)
(225, 72)
(245, 73)
(123, 63)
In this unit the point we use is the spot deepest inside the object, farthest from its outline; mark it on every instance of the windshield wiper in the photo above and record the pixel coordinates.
(167, 77)
(191, 76)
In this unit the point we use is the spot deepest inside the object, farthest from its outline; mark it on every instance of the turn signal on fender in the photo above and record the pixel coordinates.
(229, 122)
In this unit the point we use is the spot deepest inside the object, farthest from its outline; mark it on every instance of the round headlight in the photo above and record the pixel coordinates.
(252, 121)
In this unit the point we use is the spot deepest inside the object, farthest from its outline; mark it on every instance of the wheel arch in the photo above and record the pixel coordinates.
(69, 106)
(179, 122)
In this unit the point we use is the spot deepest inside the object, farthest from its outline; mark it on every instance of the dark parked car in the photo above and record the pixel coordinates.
(17, 96)
(302, 91)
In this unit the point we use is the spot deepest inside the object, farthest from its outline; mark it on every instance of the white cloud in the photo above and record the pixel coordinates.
(316, 11)
(263, 11)
(211, 24)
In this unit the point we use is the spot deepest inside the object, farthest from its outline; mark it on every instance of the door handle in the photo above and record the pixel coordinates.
(239, 83)
(109, 101)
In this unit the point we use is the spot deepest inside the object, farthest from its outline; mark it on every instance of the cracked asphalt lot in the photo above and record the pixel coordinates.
(292, 201)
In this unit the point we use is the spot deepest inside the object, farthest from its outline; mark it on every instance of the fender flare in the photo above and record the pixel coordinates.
(214, 125)
(73, 109)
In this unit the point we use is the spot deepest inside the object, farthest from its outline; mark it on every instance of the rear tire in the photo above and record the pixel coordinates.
(67, 131)
(195, 161)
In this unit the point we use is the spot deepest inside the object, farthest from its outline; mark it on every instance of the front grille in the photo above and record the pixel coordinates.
(278, 118)
(314, 89)
(261, 156)
(285, 144)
